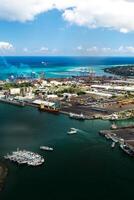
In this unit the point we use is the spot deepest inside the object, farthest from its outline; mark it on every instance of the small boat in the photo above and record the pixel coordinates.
(107, 136)
(115, 139)
(113, 145)
(113, 126)
(72, 131)
(46, 148)
(44, 63)
(127, 150)
(77, 116)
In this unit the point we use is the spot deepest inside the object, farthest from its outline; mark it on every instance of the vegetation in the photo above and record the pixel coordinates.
(7, 86)
(70, 89)
(81, 92)
(26, 84)
(127, 70)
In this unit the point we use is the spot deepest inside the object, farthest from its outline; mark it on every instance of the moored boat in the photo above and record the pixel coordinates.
(113, 126)
(49, 109)
(25, 157)
(113, 144)
(127, 149)
(46, 148)
(77, 116)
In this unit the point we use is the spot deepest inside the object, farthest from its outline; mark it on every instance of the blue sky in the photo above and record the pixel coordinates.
(64, 31)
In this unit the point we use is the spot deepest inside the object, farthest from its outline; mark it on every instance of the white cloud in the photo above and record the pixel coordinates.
(14, 10)
(25, 50)
(106, 51)
(79, 48)
(111, 14)
(126, 49)
(55, 51)
(6, 46)
(26, 10)
(93, 49)
(44, 49)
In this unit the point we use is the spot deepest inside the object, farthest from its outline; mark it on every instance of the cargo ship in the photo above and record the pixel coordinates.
(53, 110)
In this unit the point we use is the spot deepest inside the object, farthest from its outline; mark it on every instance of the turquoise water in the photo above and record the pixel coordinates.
(82, 166)
(57, 66)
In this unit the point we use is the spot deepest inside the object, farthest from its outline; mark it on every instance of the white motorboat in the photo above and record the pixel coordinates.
(127, 149)
(113, 144)
(46, 148)
(72, 131)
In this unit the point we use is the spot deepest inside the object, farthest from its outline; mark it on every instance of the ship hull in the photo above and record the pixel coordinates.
(49, 110)
(77, 118)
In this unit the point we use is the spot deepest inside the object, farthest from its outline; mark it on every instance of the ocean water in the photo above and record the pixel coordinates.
(82, 166)
(57, 66)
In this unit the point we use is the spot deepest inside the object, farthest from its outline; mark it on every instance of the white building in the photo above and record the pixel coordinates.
(69, 95)
(52, 96)
(114, 87)
(56, 83)
(14, 91)
(46, 103)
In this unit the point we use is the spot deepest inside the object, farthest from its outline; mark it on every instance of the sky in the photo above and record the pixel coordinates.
(67, 27)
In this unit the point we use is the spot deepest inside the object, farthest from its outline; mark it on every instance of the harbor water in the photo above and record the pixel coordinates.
(82, 166)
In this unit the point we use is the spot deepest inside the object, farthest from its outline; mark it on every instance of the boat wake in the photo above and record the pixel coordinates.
(82, 131)
(78, 131)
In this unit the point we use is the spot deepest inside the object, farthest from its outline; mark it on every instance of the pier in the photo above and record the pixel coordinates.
(122, 135)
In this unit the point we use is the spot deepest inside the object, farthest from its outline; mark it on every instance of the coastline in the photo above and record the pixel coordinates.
(92, 106)
(121, 70)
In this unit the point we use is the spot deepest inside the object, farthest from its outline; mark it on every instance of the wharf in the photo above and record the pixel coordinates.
(86, 110)
(16, 103)
(88, 113)
(85, 116)
(125, 134)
